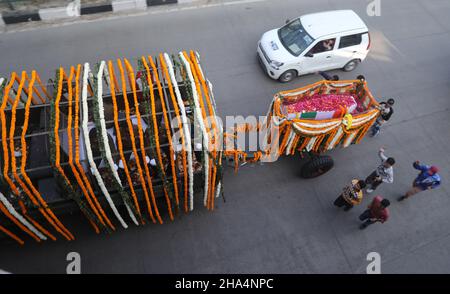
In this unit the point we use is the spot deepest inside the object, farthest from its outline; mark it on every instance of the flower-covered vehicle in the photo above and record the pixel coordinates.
(315, 119)
(110, 140)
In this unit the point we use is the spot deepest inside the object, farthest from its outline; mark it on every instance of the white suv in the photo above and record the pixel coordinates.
(314, 42)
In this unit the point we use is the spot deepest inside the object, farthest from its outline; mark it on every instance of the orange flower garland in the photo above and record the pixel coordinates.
(167, 126)
(133, 142)
(70, 143)
(141, 136)
(42, 87)
(208, 129)
(155, 126)
(214, 127)
(6, 159)
(51, 217)
(33, 90)
(180, 126)
(77, 150)
(10, 234)
(119, 135)
(24, 152)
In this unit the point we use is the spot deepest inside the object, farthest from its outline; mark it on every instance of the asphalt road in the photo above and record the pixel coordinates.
(273, 221)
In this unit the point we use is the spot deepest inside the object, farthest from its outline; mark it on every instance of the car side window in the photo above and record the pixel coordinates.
(351, 40)
(323, 46)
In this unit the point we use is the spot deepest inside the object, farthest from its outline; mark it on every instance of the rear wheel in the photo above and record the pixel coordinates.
(287, 76)
(351, 65)
(317, 166)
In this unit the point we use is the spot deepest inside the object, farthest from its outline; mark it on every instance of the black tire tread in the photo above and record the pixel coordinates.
(309, 169)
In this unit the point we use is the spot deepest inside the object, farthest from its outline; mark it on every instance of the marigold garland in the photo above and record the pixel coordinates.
(56, 152)
(155, 130)
(215, 140)
(78, 165)
(168, 133)
(130, 73)
(180, 127)
(119, 141)
(102, 136)
(87, 141)
(50, 217)
(198, 112)
(70, 143)
(132, 138)
(11, 235)
(6, 160)
(24, 152)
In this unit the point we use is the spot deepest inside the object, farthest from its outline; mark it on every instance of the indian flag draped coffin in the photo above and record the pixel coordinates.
(323, 115)
(320, 106)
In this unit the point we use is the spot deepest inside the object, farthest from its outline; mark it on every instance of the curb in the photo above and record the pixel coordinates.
(74, 9)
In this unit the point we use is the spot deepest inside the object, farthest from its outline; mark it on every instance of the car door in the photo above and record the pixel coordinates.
(319, 57)
(353, 46)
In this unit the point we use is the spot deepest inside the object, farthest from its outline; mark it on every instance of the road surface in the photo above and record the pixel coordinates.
(272, 221)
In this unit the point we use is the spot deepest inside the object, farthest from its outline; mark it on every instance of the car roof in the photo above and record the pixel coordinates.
(331, 22)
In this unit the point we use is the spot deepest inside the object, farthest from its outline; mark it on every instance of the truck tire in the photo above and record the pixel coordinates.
(317, 166)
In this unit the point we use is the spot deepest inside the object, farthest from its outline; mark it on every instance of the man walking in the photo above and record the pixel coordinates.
(427, 179)
(351, 195)
(383, 173)
(377, 212)
(386, 112)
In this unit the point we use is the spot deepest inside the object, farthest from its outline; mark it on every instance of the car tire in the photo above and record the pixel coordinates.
(287, 76)
(351, 65)
(317, 166)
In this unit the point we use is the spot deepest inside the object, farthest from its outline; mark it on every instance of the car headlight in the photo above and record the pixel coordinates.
(276, 64)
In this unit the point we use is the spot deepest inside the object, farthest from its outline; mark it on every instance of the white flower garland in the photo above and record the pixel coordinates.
(19, 217)
(335, 139)
(290, 141)
(198, 114)
(218, 125)
(219, 186)
(113, 167)
(186, 131)
(311, 144)
(319, 126)
(299, 129)
(87, 142)
(349, 139)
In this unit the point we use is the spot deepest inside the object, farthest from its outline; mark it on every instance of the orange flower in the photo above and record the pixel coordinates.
(70, 143)
(50, 217)
(180, 127)
(10, 234)
(155, 124)
(215, 140)
(77, 151)
(133, 142)
(167, 127)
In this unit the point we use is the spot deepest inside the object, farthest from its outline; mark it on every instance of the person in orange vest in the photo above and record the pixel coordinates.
(351, 195)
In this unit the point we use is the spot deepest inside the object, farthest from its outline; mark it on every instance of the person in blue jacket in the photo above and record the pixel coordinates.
(427, 179)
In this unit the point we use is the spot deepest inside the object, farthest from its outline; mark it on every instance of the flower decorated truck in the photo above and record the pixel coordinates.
(114, 141)
(111, 140)
(313, 120)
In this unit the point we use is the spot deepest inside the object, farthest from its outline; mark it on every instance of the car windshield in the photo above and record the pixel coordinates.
(294, 37)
